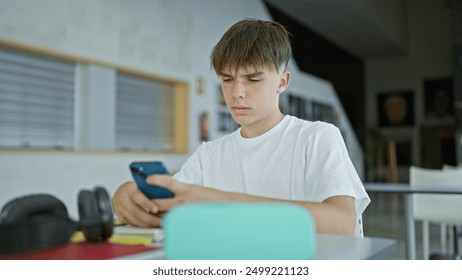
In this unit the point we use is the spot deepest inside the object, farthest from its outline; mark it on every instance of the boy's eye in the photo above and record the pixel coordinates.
(226, 80)
(254, 80)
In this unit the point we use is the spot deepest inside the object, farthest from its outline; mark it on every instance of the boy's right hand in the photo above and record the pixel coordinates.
(132, 207)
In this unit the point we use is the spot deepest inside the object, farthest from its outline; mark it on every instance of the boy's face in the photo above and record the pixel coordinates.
(252, 96)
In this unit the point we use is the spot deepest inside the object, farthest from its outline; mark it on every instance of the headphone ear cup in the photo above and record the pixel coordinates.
(34, 222)
(103, 201)
(89, 216)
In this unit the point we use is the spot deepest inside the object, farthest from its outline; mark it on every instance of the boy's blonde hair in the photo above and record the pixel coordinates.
(252, 43)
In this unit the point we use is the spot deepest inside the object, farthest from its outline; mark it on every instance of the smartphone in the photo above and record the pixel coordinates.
(141, 170)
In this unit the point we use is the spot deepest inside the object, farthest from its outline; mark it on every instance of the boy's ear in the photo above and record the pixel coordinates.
(284, 81)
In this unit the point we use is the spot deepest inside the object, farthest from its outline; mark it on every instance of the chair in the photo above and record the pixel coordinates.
(455, 233)
(444, 209)
(239, 231)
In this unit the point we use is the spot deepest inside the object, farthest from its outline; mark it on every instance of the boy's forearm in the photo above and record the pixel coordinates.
(335, 215)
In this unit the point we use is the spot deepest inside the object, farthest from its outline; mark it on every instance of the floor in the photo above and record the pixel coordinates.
(384, 217)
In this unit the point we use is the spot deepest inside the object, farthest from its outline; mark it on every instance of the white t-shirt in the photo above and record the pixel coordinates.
(296, 160)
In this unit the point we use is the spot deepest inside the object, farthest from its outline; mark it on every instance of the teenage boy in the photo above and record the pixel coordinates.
(272, 157)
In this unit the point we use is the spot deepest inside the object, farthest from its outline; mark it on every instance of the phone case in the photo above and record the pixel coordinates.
(141, 170)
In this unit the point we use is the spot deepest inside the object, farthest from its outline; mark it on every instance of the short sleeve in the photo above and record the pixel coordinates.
(191, 171)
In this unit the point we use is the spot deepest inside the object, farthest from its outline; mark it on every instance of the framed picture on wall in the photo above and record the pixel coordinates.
(396, 108)
(439, 98)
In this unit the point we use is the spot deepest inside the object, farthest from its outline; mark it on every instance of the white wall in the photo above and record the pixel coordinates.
(167, 38)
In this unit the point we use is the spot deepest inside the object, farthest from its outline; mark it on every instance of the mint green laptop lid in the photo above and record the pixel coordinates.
(239, 231)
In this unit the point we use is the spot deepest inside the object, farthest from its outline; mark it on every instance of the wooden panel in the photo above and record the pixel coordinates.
(181, 118)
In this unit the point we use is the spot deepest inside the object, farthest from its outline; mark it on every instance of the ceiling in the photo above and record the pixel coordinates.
(365, 28)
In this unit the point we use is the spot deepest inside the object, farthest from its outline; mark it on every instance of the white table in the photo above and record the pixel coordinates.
(336, 247)
(407, 190)
(328, 247)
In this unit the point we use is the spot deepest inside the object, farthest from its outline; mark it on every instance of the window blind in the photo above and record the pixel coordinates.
(144, 114)
(36, 101)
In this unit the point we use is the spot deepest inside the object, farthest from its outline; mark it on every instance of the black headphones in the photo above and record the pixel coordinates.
(41, 220)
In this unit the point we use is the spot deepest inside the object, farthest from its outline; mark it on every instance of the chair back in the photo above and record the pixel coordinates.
(441, 208)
